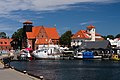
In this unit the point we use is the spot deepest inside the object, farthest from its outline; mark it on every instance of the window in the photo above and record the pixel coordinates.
(5, 42)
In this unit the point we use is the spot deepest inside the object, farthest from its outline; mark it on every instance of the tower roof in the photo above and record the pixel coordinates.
(90, 27)
(27, 22)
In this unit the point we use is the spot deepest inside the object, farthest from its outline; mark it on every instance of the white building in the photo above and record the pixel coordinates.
(85, 35)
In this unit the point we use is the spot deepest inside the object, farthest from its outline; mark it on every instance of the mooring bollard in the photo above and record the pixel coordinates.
(12, 67)
(24, 72)
(41, 77)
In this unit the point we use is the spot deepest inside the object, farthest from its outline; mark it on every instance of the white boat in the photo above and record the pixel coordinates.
(86, 55)
(50, 52)
(24, 55)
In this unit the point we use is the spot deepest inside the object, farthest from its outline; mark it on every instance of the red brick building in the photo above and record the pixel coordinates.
(41, 35)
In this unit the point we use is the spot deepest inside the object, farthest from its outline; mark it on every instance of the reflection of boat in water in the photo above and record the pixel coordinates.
(86, 55)
(50, 52)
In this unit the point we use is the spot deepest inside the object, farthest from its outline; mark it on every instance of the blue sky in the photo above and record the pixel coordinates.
(71, 15)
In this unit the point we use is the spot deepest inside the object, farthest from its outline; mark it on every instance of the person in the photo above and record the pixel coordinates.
(6, 62)
(11, 54)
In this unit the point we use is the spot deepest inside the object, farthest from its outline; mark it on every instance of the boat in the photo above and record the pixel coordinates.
(24, 55)
(86, 55)
(115, 57)
(51, 52)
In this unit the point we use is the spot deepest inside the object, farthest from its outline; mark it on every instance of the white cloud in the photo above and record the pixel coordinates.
(7, 6)
(88, 23)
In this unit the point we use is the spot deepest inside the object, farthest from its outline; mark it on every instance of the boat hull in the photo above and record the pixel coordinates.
(82, 58)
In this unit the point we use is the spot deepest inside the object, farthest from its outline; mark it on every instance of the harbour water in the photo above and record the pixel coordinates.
(71, 69)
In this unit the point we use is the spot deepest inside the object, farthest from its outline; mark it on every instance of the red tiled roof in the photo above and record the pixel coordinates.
(99, 38)
(33, 34)
(43, 41)
(96, 34)
(30, 35)
(81, 34)
(90, 27)
(27, 22)
(51, 32)
(5, 42)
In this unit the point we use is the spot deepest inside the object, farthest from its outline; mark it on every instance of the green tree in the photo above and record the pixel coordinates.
(18, 34)
(105, 37)
(110, 36)
(117, 36)
(65, 38)
(17, 39)
(3, 35)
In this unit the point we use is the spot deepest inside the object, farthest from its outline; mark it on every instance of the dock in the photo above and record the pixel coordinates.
(12, 74)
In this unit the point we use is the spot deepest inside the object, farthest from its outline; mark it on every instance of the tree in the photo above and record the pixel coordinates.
(105, 37)
(17, 39)
(65, 38)
(117, 36)
(3, 35)
(110, 36)
(18, 34)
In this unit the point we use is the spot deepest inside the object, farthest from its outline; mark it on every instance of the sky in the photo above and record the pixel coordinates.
(66, 15)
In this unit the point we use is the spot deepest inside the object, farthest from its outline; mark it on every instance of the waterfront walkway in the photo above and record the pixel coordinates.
(11, 74)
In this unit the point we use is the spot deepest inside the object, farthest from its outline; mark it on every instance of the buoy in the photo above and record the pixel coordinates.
(24, 72)
(12, 67)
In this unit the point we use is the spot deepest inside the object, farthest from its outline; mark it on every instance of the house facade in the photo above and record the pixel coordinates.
(41, 35)
(85, 35)
(5, 44)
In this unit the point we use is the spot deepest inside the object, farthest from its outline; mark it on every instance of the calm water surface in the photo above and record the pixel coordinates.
(71, 69)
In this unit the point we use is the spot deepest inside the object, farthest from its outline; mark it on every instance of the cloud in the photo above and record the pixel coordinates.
(7, 6)
(14, 10)
(88, 23)
(8, 29)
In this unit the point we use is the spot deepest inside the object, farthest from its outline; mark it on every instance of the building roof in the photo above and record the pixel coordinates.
(27, 22)
(105, 44)
(90, 27)
(5, 42)
(34, 33)
(84, 34)
(51, 32)
(81, 34)
(42, 41)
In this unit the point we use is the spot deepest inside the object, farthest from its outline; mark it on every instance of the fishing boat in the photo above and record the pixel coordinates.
(86, 55)
(50, 52)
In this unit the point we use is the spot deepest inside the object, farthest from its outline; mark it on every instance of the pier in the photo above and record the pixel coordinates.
(9, 73)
